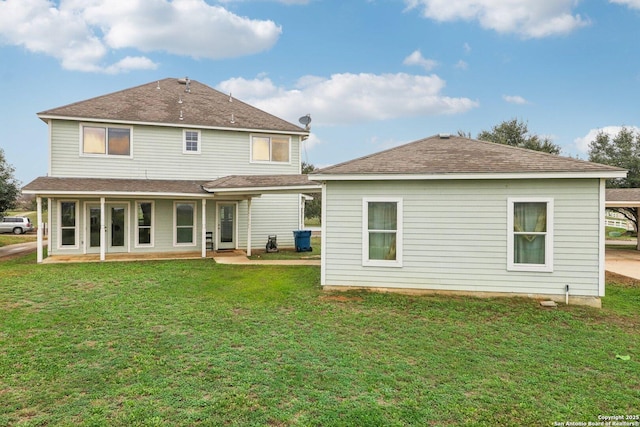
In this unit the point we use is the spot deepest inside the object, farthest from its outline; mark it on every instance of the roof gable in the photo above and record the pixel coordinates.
(171, 102)
(458, 155)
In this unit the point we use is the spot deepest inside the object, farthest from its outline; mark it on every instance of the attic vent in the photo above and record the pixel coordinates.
(186, 82)
(444, 135)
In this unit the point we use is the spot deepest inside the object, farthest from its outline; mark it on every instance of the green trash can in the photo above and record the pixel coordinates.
(302, 240)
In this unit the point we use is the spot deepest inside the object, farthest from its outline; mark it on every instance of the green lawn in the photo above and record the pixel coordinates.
(10, 239)
(196, 343)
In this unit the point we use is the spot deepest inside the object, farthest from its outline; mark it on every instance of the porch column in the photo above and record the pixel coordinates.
(203, 237)
(40, 229)
(249, 226)
(103, 229)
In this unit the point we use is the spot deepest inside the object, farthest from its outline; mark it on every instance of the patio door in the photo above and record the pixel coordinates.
(116, 222)
(227, 225)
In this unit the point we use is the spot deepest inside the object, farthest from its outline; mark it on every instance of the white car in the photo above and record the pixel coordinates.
(15, 224)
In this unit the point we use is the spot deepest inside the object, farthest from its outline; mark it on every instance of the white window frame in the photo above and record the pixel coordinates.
(549, 236)
(106, 148)
(366, 262)
(151, 227)
(76, 226)
(175, 223)
(270, 137)
(185, 149)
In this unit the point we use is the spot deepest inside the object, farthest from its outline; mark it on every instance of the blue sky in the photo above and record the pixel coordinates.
(372, 73)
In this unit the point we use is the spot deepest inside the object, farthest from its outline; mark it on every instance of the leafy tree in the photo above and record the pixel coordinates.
(312, 208)
(622, 150)
(516, 134)
(9, 186)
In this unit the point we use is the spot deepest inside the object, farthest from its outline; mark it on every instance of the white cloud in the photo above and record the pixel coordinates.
(416, 58)
(582, 143)
(131, 63)
(350, 98)
(80, 33)
(528, 18)
(462, 65)
(633, 4)
(515, 99)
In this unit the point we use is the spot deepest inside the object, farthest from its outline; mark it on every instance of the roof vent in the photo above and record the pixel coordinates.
(444, 135)
(186, 82)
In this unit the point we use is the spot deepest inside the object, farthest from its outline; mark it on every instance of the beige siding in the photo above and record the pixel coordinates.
(157, 154)
(455, 236)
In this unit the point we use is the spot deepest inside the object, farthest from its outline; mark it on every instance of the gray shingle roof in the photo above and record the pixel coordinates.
(51, 185)
(457, 155)
(203, 106)
(233, 182)
(252, 183)
(623, 195)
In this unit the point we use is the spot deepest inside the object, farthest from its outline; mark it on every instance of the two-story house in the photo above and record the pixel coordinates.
(167, 167)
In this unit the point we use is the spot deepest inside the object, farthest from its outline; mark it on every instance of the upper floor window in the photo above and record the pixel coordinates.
(270, 148)
(530, 234)
(111, 141)
(191, 142)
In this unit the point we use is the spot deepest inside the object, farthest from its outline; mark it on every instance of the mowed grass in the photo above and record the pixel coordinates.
(195, 343)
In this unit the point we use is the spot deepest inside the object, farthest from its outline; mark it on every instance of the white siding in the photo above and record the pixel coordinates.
(455, 236)
(157, 153)
(274, 214)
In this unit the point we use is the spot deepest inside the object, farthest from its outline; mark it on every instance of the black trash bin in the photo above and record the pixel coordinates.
(302, 240)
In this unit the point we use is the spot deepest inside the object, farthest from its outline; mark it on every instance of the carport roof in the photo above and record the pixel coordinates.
(623, 197)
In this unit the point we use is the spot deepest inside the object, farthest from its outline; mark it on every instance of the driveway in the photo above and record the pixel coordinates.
(623, 261)
(18, 249)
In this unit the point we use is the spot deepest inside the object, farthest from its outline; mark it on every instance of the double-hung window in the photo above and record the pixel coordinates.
(382, 232)
(274, 149)
(106, 140)
(144, 224)
(191, 142)
(184, 220)
(68, 224)
(530, 234)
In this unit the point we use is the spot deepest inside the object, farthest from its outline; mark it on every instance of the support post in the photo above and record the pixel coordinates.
(40, 231)
(203, 237)
(103, 230)
(249, 226)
